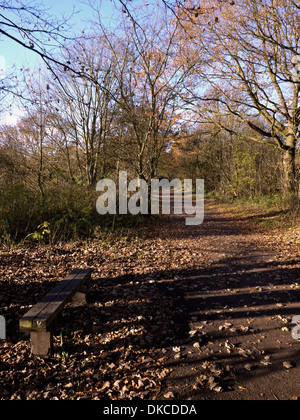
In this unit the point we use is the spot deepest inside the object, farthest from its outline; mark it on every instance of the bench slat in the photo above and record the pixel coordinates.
(40, 316)
(26, 323)
(57, 289)
(46, 316)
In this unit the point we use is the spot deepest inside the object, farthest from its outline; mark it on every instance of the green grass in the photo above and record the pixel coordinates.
(270, 211)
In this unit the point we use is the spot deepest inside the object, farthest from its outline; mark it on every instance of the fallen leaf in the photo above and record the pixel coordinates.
(288, 365)
(169, 395)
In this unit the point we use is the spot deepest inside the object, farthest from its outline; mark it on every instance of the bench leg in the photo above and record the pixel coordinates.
(41, 343)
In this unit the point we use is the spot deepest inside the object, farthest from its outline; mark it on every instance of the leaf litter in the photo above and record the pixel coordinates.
(122, 344)
(114, 346)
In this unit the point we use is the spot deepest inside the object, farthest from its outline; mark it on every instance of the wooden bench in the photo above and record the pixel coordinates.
(40, 320)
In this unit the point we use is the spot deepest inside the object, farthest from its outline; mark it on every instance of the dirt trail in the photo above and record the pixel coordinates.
(234, 316)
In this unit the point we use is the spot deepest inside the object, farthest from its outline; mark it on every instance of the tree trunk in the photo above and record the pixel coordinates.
(289, 167)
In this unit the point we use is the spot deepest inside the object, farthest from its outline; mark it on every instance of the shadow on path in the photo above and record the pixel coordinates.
(239, 310)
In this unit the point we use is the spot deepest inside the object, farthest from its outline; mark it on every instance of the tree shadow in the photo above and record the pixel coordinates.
(138, 315)
(270, 214)
(164, 313)
(134, 315)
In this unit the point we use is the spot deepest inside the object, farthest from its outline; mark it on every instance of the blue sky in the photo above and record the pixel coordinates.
(14, 56)
(13, 53)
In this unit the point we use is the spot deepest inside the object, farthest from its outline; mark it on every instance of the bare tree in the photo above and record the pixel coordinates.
(83, 108)
(250, 49)
(33, 27)
(150, 76)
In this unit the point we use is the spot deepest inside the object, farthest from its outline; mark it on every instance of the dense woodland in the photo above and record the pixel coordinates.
(177, 89)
